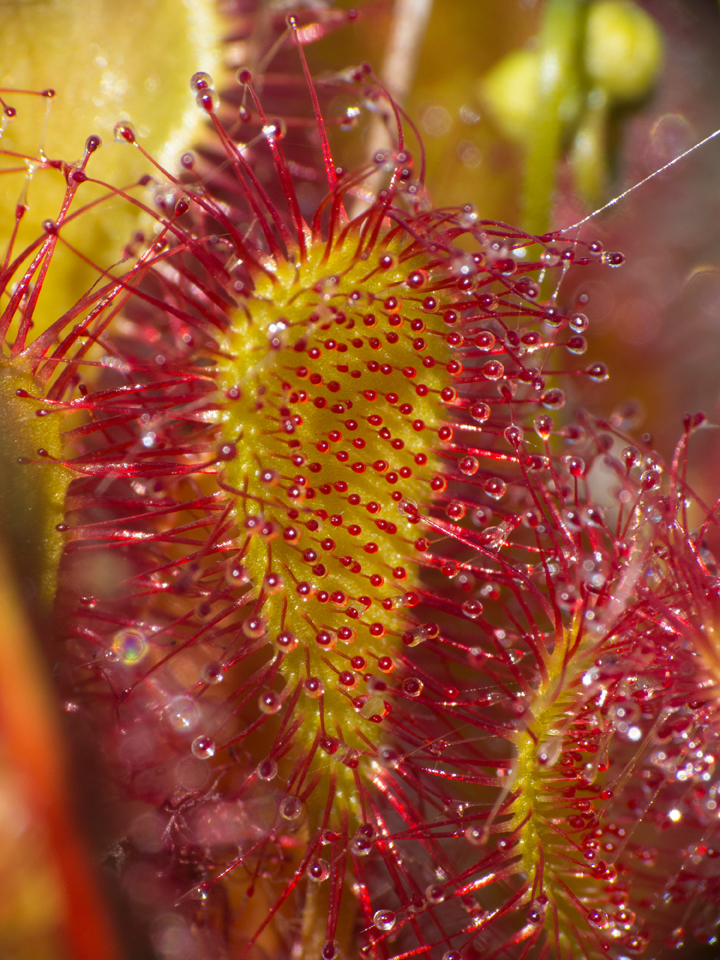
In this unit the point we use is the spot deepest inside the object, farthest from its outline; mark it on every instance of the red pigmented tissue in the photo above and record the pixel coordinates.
(390, 651)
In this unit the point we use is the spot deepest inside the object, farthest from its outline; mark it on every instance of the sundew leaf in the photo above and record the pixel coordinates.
(383, 644)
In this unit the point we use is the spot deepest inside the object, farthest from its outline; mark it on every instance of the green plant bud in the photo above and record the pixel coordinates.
(623, 49)
(509, 93)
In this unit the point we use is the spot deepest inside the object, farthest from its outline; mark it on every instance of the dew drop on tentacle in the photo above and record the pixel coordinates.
(290, 808)
(130, 646)
(318, 870)
(212, 672)
(125, 132)
(203, 747)
(384, 920)
(267, 770)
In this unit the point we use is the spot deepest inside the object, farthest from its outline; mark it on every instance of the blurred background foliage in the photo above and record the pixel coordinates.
(494, 137)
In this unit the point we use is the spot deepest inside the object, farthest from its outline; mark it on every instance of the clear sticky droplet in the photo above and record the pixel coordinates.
(421, 633)
(330, 950)
(125, 132)
(203, 747)
(553, 399)
(183, 714)
(493, 370)
(384, 920)
(273, 583)
(495, 488)
(275, 129)
(254, 627)
(412, 686)
(543, 426)
(480, 411)
(314, 687)
(613, 259)
(212, 673)
(130, 646)
(472, 609)
(361, 846)
(318, 870)
(548, 753)
(475, 835)
(388, 757)
(455, 510)
(236, 575)
(290, 808)
(597, 372)
(469, 466)
(269, 702)
(485, 341)
(286, 641)
(514, 435)
(201, 81)
(266, 770)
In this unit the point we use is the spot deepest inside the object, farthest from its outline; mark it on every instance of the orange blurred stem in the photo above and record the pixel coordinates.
(32, 742)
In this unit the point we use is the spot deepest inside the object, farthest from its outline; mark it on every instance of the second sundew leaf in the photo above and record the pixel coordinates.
(562, 898)
(333, 410)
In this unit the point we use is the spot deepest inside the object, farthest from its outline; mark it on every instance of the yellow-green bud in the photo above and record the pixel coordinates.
(509, 93)
(623, 49)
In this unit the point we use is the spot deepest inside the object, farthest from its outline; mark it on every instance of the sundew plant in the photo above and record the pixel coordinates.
(370, 641)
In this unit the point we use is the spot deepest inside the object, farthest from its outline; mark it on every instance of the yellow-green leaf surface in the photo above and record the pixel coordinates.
(107, 62)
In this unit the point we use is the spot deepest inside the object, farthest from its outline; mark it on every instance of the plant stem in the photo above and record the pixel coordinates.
(407, 32)
(410, 19)
(33, 745)
(559, 39)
